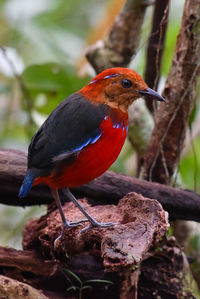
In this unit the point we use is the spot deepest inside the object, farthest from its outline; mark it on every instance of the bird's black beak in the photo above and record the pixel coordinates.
(152, 94)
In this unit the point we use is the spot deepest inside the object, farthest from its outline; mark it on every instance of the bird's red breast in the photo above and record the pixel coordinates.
(95, 158)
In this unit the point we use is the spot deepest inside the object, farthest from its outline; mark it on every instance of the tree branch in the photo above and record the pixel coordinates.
(109, 188)
(167, 139)
(123, 39)
(156, 45)
(27, 261)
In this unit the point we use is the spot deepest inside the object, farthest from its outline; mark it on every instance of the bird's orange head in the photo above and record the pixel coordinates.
(119, 88)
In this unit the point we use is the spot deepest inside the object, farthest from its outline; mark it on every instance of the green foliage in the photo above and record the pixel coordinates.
(52, 80)
(193, 115)
(4, 88)
(73, 16)
(190, 167)
(170, 43)
(12, 222)
(78, 286)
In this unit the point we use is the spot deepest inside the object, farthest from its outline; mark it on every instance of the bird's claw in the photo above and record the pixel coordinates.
(68, 225)
(98, 224)
(73, 224)
(80, 222)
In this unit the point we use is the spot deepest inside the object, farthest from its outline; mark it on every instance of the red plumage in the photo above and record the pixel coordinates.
(93, 160)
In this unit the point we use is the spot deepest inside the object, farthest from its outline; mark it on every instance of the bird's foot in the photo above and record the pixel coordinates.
(74, 224)
(66, 225)
(98, 224)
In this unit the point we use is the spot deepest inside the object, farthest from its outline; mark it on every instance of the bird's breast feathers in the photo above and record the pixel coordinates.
(92, 160)
(77, 143)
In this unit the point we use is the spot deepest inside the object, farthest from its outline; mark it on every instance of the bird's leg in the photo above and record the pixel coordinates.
(66, 223)
(64, 220)
(92, 221)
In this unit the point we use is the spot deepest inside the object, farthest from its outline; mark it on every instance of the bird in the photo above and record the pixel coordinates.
(83, 136)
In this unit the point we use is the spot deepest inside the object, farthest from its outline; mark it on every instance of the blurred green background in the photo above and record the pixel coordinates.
(42, 61)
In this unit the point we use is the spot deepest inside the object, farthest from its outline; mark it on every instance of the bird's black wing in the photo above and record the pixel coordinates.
(71, 126)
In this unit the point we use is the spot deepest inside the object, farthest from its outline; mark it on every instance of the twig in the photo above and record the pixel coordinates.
(162, 31)
(172, 119)
(156, 45)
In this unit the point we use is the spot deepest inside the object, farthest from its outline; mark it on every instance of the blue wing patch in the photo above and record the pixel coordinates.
(91, 140)
(70, 154)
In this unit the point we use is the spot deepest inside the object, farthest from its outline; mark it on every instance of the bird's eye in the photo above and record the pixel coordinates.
(126, 83)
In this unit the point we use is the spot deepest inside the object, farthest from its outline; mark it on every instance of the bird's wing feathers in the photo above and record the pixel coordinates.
(70, 127)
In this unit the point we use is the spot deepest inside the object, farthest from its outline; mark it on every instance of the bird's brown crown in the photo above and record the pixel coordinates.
(116, 87)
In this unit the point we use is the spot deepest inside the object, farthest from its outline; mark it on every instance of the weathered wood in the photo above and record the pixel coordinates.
(124, 254)
(160, 274)
(141, 224)
(142, 221)
(13, 289)
(163, 274)
(109, 188)
(28, 261)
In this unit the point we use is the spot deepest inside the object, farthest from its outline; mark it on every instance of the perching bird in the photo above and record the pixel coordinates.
(84, 135)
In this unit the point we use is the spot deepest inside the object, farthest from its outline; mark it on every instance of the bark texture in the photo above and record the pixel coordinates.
(125, 254)
(172, 118)
(156, 43)
(123, 39)
(156, 46)
(27, 261)
(120, 249)
(167, 278)
(142, 221)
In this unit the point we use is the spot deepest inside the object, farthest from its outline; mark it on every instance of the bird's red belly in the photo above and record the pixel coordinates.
(92, 161)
